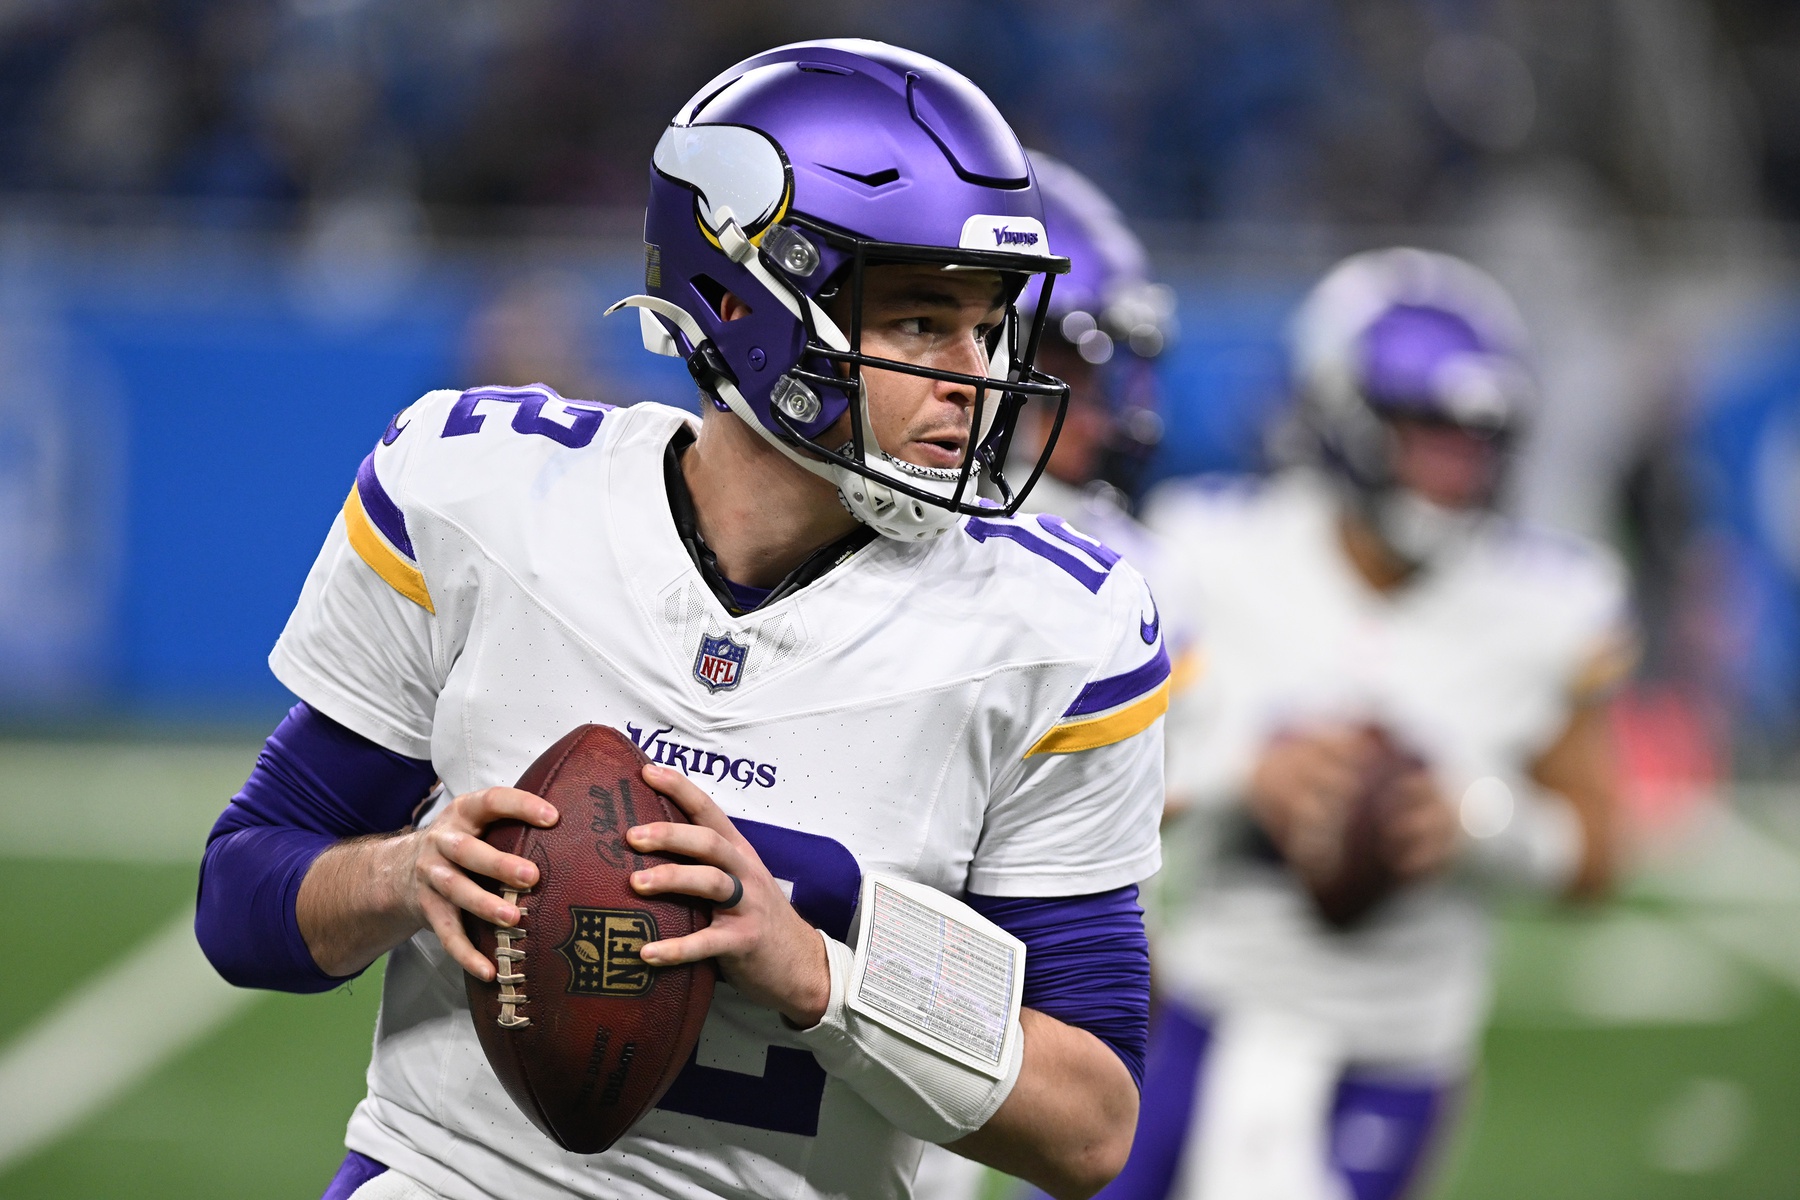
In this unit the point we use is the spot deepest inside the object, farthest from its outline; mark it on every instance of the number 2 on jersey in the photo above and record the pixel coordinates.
(464, 419)
(786, 1097)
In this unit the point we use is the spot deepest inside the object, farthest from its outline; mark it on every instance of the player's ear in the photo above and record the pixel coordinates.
(731, 308)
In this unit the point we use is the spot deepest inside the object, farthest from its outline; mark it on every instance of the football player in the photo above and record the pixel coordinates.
(1402, 697)
(840, 658)
(1107, 322)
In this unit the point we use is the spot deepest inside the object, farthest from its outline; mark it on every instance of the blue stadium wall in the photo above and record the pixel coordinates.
(187, 420)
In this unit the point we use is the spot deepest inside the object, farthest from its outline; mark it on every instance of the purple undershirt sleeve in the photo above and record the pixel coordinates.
(315, 783)
(1087, 963)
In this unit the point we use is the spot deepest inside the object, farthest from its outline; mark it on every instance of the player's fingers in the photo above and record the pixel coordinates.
(1419, 841)
(473, 854)
(691, 799)
(449, 882)
(446, 922)
(689, 841)
(710, 942)
(707, 883)
(1334, 780)
(1420, 856)
(1342, 744)
(482, 808)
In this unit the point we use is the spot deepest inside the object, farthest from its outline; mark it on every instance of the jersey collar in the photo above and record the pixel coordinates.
(687, 527)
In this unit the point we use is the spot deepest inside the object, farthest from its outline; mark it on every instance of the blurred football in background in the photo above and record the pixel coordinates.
(1363, 877)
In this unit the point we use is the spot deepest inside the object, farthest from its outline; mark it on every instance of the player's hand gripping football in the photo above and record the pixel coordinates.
(1300, 791)
(364, 896)
(447, 851)
(1418, 827)
(764, 948)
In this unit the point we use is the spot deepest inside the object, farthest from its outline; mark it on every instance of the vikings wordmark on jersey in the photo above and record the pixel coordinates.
(978, 712)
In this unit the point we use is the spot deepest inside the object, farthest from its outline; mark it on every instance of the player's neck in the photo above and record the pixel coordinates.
(1374, 560)
(761, 515)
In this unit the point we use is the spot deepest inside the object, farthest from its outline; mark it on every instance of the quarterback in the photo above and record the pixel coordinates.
(1368, 606)
(841, 655)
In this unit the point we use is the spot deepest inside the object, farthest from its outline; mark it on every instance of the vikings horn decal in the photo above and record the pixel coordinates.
(733, 171)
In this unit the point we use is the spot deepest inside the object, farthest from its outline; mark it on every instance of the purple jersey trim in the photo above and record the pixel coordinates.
(352, 1173)
(314, 784)
(1087, 963)
(381, 508)
(748, 598)
(1115, 690)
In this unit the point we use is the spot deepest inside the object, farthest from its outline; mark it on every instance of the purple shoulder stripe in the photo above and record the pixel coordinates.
(1115, 690)
(381, 508)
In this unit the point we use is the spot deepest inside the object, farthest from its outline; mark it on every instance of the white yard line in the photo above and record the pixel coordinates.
(114, 1031)
(1741, 889)
(125, 801)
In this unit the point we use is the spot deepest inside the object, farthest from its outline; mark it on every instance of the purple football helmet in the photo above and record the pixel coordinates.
(1407, 333)
(1108, 310)
(781, 182)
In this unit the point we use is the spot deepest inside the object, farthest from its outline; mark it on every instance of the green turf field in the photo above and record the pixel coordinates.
(1650, 1050)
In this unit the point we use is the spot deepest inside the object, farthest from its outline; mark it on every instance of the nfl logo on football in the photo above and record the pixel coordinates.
(720, 664)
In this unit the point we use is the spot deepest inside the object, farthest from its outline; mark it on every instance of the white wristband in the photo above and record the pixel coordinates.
(919, 1082)
(1520, 836)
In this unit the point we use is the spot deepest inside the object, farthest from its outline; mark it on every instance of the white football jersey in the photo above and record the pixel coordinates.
(979, 713)
(1476, 664)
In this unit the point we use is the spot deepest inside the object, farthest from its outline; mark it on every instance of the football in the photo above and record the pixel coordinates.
(586, 1036)
(1363, 878)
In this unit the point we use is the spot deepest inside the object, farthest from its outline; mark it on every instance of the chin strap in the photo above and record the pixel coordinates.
(717, 382)
(892, 514)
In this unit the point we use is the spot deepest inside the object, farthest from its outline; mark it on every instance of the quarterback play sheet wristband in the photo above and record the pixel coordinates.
(923, 1018)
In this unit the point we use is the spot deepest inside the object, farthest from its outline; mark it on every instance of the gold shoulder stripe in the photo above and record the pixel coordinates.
(1094, 732)
(383, 559)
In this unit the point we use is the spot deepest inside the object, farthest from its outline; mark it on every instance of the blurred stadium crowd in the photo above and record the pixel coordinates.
(411, 184)
(1375, 110)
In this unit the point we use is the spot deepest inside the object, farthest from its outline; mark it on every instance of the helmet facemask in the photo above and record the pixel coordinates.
(898, 499)
(757, 190)
(887, 492)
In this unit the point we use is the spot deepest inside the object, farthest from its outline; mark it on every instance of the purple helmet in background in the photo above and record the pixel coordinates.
(781, 182)
(1108, 310)
(1407, 333)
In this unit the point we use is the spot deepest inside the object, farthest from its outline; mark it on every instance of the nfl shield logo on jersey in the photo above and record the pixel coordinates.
(721, 663)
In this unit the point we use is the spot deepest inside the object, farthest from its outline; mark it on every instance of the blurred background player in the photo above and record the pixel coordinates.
(1399, 720)
(1108, 324)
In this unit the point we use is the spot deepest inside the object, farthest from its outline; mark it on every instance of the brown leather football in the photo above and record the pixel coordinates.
(583, 1033)
(1363, 878)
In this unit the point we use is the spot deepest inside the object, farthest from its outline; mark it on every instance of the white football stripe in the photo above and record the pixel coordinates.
(148, 802)
(114, 1031)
